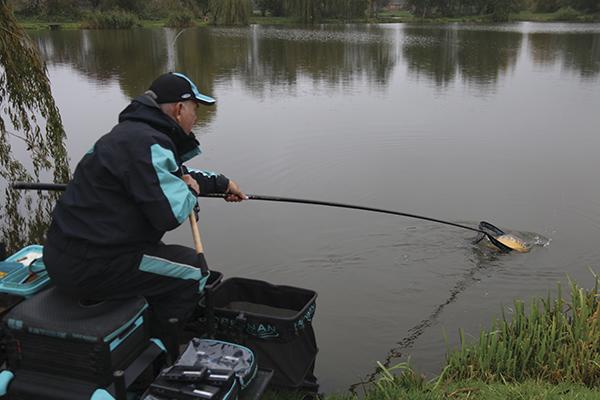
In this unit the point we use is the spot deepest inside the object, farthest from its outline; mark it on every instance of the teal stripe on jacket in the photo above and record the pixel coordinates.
(191, 154)
(180, 198)
(208, 174)
(164, 267)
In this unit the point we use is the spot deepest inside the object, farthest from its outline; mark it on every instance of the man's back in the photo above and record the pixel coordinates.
(125, 191)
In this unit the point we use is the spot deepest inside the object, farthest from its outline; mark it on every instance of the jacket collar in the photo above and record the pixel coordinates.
(145, 109)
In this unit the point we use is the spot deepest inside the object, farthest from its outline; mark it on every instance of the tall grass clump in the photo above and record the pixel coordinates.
(555, 340)
(110, 20)
(180, 19)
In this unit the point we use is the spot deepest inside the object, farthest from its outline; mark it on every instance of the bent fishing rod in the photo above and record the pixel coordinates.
(495, 242)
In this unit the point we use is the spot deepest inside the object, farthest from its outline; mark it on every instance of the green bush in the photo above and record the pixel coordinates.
(566, 14)
(180, 19)
(110, 20)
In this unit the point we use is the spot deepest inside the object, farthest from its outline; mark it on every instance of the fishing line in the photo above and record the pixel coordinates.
(416, 331)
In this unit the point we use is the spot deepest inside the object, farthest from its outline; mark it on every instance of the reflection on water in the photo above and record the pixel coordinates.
(477, 57)
(575, 52)
(266, 57)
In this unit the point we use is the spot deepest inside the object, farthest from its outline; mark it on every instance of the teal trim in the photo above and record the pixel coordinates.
(181, 199)
(191, 154)
(202, 283)
(5, 377)
(161, 266)
(90, 151)
(208, 174)
(247, 381)
(84, 338)
(15, 324)
(116, 333)
(46, 332)
(8, 266)
(199, 96)
(101, 394)
(159, 343)
(115, 343)
(226, 397)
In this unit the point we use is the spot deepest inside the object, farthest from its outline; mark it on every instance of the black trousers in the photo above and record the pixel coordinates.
(166, 275)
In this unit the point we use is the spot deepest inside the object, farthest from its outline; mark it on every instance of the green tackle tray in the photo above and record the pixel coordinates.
(21, 280)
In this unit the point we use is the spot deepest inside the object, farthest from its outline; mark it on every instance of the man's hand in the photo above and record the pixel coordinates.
(191, 182)
(234, 194)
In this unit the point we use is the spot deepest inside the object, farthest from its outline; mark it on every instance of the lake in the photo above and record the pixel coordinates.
(457, 122)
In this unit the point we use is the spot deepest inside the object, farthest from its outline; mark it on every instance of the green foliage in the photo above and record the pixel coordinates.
(306, 11)
(55, 9)
(345, 9)
(276, 8)
(501, 10)
(497, 10)
(556, 341)
(545, 6)
(133, 6)
(230, 12)
(32, 117)
(180, 19)
(566, 14)
(62, 8)
(110, 20)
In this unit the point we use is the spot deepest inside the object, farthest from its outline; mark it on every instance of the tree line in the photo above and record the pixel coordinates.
(303, 10)
(500, 9)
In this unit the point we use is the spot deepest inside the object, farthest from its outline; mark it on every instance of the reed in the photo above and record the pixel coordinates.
(552, 340)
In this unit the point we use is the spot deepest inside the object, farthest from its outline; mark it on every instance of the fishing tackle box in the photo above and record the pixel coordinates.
(207, 369)
(274, 321)
(52, 333)
(22, 275)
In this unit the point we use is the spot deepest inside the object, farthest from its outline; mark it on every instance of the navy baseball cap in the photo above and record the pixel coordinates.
(173, 87)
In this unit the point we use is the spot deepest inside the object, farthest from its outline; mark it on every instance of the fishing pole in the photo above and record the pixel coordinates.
(502, 247)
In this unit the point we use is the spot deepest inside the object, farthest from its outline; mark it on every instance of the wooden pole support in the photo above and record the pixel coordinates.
(196, 233)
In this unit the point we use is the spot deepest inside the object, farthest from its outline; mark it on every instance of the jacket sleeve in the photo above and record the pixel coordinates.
(209, 182)
(154, 182)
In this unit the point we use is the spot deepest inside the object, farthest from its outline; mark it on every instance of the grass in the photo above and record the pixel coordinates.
(560, 15)
(110, 20)
(554, 340)
(549, 350)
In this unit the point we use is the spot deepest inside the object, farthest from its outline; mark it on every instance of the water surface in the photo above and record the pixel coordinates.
(457, 122)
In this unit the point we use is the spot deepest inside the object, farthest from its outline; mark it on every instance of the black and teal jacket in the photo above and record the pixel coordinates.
(126, 191)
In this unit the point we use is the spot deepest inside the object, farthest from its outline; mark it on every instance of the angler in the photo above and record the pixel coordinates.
(127, 191)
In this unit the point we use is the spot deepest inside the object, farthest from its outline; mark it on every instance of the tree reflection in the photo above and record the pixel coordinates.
(259, 57)
(333, 57)
(576, 52)
(431, 53)
(262, 58)
(478, 57)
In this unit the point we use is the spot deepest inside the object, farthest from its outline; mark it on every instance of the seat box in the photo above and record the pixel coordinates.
(56, 334)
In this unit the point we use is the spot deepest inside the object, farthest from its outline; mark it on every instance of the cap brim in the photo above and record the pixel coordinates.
(199, 97)
(204, 99)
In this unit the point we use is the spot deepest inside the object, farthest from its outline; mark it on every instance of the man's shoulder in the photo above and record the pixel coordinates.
(138, 134)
